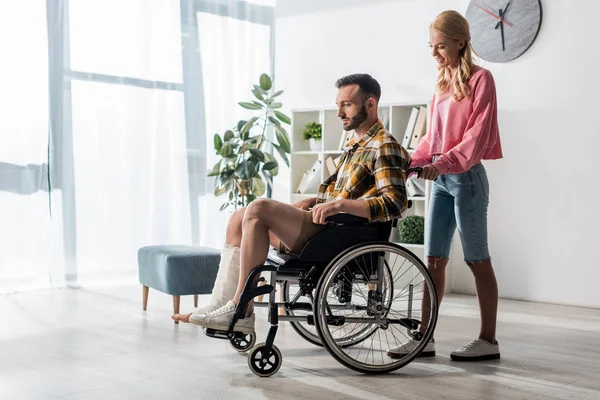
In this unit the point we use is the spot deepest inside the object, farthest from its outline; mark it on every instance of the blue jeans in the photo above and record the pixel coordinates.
(459, 201)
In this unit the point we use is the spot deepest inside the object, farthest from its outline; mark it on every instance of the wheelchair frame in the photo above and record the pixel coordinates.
(309, 269)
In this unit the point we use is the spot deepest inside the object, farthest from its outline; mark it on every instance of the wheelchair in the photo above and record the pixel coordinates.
(351, 291)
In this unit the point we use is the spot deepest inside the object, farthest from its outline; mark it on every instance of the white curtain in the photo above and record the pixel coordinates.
(234, 54)
(109, 136)
(25, 228)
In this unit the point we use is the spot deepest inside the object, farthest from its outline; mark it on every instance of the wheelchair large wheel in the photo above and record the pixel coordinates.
(292, 295)
(384, 296)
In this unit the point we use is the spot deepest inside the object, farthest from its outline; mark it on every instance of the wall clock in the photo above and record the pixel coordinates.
(502, 30)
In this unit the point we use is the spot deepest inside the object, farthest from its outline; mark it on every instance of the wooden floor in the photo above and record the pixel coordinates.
(99, 344)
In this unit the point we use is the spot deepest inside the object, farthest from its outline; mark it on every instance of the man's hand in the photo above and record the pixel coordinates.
(321, 211)
(305, 204)
(429, 172)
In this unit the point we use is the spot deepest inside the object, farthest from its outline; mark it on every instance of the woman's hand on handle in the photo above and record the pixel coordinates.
(429, 172)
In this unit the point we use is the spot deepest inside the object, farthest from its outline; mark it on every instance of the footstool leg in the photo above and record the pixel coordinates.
(176, 300)
(196, 300)
(146, 289)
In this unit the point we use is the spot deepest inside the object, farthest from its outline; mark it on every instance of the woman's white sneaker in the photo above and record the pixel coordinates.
(477, 350)
(408, 347)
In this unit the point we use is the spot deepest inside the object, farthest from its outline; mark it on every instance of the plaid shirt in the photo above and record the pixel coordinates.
(372, 169)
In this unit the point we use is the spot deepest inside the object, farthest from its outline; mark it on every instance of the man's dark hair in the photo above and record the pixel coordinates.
(368, 86)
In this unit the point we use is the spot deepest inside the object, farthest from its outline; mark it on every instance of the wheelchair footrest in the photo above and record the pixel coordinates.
(218, 334)
(331, 320)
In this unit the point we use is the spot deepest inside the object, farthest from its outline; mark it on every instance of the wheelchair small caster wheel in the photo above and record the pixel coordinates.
(264, 363)
(242, 342)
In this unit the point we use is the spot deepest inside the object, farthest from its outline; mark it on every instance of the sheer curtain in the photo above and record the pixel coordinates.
(25, 227)
(235, 50)
(109, 137)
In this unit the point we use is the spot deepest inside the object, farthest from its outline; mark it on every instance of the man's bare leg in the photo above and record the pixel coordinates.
(233, 237)
(263, 216)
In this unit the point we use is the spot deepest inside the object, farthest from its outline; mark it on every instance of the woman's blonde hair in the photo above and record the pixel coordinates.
(455, 26)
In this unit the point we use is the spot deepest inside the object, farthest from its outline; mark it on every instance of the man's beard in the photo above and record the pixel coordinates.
(358, 119)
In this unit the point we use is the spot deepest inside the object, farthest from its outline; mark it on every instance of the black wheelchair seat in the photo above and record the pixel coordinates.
(344, 231)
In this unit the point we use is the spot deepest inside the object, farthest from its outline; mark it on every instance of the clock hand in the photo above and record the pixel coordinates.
(502, 28)
(506, 8)
(503, 13)
(493, 15)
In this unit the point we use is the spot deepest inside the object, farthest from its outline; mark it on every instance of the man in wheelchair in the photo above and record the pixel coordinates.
(346, 288)
(369, 183)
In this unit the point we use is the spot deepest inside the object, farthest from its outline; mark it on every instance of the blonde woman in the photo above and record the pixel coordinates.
(463, 132)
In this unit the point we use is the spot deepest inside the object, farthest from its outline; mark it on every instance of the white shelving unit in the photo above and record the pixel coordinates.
(394, 116)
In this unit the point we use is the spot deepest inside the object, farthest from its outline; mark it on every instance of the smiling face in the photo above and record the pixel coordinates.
(444, 49)
(351, 107)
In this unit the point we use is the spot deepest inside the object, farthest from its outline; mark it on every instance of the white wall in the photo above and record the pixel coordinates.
(542, 220)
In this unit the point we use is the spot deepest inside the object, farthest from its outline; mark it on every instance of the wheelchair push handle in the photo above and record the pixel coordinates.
(414, 170)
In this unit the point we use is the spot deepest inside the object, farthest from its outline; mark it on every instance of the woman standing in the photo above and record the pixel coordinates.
(462, 132)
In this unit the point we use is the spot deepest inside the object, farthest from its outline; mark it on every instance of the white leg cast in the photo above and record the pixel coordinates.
(225, 283)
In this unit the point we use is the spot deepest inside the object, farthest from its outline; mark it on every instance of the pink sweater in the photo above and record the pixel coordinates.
(462, 132)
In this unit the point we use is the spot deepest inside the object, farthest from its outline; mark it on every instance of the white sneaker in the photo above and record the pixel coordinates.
(221, 318)
(477, 350)
(408, 347)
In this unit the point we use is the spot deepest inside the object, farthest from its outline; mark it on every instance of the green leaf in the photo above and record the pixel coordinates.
(249, 106)
(265, 82)
(245, 170)
(240, 124)
(275, 105)
(219, 190)
(282, 138)
(258, 154)
(275, 121)
(282, 154)
(226, 175)
(247, 126)
(260, 90)
(226, 150)
(277, 93)
(271, 158)
(269, 165)
(228, 135)
(216, 169)
(223, 206)
(258, 94)
(282, 117)
(259, 187)
(218, 142)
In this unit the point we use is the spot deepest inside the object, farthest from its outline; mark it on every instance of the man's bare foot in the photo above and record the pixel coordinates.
(181, 317)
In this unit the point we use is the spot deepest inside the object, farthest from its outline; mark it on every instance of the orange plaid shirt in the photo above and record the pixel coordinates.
(372, 169)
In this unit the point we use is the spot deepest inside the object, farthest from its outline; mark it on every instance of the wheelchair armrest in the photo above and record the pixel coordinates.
(347, 219)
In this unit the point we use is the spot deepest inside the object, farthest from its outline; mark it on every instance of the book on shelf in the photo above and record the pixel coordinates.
(410, 127)
(311, 179)
(330, 165)
(420, 128)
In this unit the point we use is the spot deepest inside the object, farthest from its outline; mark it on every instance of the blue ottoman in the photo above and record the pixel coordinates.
(178, 271)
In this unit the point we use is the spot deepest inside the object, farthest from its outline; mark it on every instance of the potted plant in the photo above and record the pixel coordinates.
(245, 169)
(312, 133)
(412, 229)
